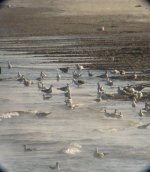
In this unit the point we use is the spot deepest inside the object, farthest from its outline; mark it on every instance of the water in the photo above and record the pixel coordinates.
(66, 136)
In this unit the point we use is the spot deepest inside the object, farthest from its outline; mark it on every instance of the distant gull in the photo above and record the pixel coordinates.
(19, 75)
(100, 87)
(27, 82)
(109, 82)
(105, 75)
(122, 72)
(55, 167)
(147, 107)
(65, 88)
(103, 28)
(90, 74)
(76, 74)
(115, 71)
(28, 149)
(41, 77)
(135, 76)
(98, 154)
(9, 65)
(21, 78)
(79, 67)
(141, 114)
(47, 96)
(114, 114)
(40, 85)
(58, 76)
(47, 90)
(78, 82)
(64, 69)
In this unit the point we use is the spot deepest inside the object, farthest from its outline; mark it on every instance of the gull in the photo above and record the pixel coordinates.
(90, 74)
(114, 114)
(105, 75)
(40, 85)
(21, 78)
(64, 69)
(115, 71)
(65, 88)
(27, 82)
(19, 75)
(99, 87)
(79, 67)
(139, 94)
(47, 96)
(103, 28)
(42, 75)
(76, 75)
(47, 90)
(98, 154)
(27, 149)
(39, 78)
(147, 107)
(55, 167)
(109, 82)
(58, 76)
(121, 91)
(68, 94)
(9, 65)
(122, 72)
(141, 114)
(135, 75)
(78, 82)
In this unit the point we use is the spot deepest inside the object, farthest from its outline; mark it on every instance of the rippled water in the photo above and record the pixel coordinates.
(66, 136)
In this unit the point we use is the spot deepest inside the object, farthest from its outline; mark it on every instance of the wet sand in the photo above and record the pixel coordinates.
(126, 37)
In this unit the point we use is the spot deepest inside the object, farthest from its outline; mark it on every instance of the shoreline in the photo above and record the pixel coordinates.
(125, 38)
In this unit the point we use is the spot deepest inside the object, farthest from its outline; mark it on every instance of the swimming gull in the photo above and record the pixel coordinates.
(28, 149)
(65, 88)
(64, 69)
(47, 90)
(55, 167)
(98, 154)
(78, 82)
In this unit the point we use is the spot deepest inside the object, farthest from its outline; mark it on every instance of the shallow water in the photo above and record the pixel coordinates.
(67, 136)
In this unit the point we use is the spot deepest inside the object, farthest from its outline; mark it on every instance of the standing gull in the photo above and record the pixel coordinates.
(58, 76)
(79, 67)
(9, 65)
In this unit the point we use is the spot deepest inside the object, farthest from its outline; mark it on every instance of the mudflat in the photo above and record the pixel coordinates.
(126, 26)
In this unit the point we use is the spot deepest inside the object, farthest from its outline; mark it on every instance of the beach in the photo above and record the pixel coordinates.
(96, 128)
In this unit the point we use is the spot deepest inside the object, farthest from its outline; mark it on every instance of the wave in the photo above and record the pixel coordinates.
(72, 149)
(7, 115)
(10, 114)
